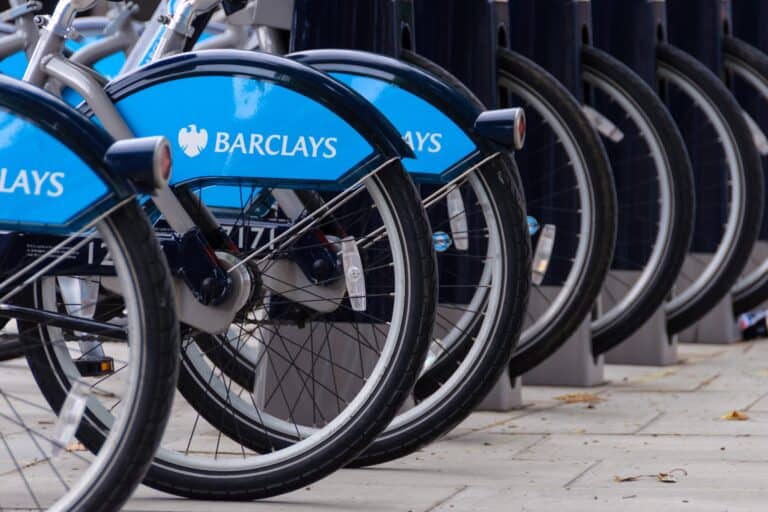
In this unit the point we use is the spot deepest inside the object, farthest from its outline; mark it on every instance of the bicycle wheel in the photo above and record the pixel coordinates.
(53, 275)
(746, 71)
(127, 405)
(480, 235)
(728, 182)
(574, 192)
(66, 248)
(337, 283)
(325, 376)
(654, 186)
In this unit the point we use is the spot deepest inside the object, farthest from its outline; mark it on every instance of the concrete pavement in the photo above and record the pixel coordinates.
(556, 456)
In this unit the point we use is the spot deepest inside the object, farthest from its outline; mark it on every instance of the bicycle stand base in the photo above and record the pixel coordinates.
(505, 396)
(758, 257)
(718, 326)
(650, 345)
(573, 364)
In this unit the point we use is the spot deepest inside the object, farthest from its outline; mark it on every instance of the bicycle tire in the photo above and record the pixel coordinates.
(593, 173)
(132, 447)
(456, 389)
(745, 177)
(751, 65)
(674, 180)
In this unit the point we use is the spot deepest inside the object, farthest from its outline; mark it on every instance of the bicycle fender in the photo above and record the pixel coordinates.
(53, 176)
(436, 121)
(247, 117)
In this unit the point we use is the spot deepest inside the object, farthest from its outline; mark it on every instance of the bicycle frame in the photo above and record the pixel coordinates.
(48, 66)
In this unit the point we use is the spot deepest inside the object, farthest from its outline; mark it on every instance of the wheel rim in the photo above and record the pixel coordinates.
(536, 105)
(648, 267)
(757, 270)
(59, 351)
(687, 294)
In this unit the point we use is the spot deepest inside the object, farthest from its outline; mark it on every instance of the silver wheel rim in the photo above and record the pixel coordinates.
(737, 192)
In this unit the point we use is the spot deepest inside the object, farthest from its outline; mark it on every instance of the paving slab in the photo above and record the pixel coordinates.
(549, 455)
(556, 456)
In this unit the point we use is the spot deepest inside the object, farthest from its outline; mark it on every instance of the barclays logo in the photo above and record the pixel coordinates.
(193, 141)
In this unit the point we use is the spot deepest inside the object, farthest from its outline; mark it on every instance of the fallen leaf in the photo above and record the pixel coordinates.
(665, 477)
(580, 398)
(75, 446)
(735, 416)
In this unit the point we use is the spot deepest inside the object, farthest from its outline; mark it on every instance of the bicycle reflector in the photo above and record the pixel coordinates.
(144, 161)
(504, 126)
(543, 254)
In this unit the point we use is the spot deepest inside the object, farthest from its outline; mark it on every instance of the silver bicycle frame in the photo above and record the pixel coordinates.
(119, 36)
(49, 68)
(166, 35)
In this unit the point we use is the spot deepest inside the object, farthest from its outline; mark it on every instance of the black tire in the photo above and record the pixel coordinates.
(452, 391)
(145, 424)
(529, 77)
(493, 335)
(350, 437)
(746, 181)
(659, 269)
(752, 289)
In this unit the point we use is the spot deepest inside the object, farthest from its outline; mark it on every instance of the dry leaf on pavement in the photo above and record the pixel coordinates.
(75, 446)
(580, 398)
(735, 416)
(667, 478)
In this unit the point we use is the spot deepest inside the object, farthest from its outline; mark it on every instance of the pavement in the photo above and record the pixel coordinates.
(650, 438)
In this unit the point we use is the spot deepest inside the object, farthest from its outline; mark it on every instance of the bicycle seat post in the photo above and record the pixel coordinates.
(53, 34)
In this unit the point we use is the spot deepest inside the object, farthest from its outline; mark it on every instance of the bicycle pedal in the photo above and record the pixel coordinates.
(95, 367)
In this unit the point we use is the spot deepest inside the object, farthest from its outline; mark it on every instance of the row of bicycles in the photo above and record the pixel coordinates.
(247, 243)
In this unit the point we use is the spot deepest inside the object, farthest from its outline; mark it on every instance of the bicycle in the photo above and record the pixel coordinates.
(69, 215)
(354, 203)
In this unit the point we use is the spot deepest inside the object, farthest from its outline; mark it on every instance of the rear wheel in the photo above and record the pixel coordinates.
(746, 71)
(728, 182)
(567, 183)
(654, 185)
(304, 379)
(123, 409)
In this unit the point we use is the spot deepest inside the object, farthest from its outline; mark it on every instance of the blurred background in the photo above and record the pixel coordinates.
(146, 6)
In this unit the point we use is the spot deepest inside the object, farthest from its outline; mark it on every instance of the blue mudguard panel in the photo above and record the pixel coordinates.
(14, 65)
(435, 120)
(246, 128)
(42, 182)
(438, 142)
(53, 177)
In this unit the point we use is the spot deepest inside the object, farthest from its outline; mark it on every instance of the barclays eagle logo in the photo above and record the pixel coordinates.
(192, 140)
